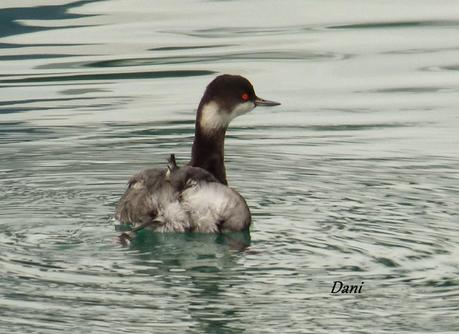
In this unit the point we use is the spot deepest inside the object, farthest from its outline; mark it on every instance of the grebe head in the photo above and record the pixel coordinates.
(225, 98)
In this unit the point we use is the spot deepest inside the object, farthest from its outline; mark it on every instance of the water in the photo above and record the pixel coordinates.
(354, 178)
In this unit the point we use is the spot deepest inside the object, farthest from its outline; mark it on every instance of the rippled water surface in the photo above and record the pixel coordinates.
(354, 178)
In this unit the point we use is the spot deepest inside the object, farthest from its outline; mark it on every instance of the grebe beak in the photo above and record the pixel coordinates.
(266, 103)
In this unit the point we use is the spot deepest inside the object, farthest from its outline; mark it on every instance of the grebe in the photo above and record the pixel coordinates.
(195, 197)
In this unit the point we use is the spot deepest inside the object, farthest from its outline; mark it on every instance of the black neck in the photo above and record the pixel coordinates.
(208, 151)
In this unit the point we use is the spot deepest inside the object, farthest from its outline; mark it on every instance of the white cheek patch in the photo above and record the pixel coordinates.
(242, 109)
(213, 118)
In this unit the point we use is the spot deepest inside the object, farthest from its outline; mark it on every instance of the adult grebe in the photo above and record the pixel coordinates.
(195, 197)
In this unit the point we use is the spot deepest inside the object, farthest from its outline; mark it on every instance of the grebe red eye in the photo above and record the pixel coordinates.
(245, 96)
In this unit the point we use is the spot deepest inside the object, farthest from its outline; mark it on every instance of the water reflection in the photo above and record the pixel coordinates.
(180, 245)
(398, 25)
(200, 268)
(109, 76)
(10, 18)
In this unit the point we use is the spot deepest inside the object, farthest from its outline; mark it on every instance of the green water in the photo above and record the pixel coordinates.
(355, 177)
